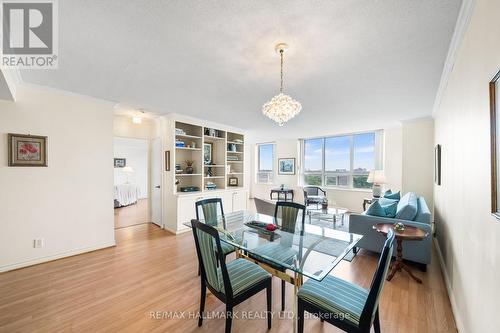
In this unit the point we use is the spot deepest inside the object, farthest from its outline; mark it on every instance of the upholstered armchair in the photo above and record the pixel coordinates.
(313, 195)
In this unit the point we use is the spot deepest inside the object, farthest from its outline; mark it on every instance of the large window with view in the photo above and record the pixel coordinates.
(341, 161)
(265, 162)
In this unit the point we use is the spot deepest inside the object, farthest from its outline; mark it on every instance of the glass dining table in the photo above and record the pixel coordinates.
(311, 253)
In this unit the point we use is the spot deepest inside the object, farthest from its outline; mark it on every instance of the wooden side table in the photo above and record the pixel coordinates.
(409, 234)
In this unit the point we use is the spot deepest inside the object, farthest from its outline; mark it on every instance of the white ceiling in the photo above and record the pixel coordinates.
(353, 65)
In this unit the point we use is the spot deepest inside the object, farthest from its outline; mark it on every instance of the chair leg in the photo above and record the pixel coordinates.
(300, 317)
(283, 294)
(376, 323)
(229, 318)
(269, 306)
(202, 302)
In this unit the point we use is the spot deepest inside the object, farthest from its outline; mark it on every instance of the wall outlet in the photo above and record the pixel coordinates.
(38, 243)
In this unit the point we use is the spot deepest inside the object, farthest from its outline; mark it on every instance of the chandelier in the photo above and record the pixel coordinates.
(281, 108)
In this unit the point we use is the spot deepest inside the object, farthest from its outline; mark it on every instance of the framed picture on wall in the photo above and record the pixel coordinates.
(494, 87)
(286, 166)
(27, 150)
(437, 164)
(119, 162)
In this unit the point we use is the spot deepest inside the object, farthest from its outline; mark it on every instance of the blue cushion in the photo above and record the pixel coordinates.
(395, 196)
(390, 210)
(386, 202)
(376, 210)
(407, 207)
(335, 296)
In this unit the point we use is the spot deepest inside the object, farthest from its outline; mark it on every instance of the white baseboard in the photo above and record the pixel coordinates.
(447, 282)
(61, 255)
(177, 232)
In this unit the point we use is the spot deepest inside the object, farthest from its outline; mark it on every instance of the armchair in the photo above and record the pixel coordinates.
(312, 195)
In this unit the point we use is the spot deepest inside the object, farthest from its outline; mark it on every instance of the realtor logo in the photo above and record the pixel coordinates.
(29, 34)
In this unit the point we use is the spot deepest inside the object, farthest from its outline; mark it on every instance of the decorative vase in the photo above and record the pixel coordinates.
(189, 167)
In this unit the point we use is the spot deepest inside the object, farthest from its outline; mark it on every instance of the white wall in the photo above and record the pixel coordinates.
(69, 203)
(418, 158)
(136, 153)
(467, 233)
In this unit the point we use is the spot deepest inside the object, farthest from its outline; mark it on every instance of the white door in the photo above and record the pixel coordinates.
(156, 182)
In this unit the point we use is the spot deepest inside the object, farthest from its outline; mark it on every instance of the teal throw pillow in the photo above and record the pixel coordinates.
(395, 196)
(386, 202)
(391, 209)
(376, 210)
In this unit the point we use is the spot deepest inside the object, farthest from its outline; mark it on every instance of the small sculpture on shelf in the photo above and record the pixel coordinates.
(210, 173)
(189, 168)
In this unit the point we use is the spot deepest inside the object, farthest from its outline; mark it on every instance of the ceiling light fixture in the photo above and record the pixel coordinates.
(281, 108)
(138, 119)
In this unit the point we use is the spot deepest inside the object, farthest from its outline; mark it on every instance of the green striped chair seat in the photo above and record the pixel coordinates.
(276, 251)
(335, 296)
(243, 274)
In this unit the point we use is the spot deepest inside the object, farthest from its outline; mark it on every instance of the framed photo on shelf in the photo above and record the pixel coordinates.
(233, 181)
(119, 162)
(286, 166)
(27, 150)
(207, 153)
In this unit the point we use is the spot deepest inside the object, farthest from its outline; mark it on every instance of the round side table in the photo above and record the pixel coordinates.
(409, 234)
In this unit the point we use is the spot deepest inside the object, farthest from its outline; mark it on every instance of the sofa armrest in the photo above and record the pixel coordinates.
(361, 222)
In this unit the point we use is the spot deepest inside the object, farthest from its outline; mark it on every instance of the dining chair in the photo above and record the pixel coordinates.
(210, 208)
(343, 304)
(232, 283)
(287, 213)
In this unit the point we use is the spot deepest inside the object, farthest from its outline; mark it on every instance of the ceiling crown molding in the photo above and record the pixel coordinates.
(13, 79)
(463, 20)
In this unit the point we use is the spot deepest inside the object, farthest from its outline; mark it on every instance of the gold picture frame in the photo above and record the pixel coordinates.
(26, 150)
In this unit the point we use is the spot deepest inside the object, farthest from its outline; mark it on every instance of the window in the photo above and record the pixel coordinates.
(265, 163)
(341, 161)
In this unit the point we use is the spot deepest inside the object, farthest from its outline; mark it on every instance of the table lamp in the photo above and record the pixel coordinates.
(376, 177)
(128, 171)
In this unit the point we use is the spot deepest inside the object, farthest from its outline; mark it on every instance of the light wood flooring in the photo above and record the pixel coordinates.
(132, 215)
(117, 290)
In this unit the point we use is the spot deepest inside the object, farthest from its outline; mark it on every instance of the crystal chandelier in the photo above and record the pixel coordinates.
(281, 108)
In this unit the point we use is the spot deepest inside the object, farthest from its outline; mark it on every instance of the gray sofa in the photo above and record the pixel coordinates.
(417, 251)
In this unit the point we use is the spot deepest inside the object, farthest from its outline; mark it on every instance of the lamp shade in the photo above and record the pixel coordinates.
(128, 169)
(376, 177)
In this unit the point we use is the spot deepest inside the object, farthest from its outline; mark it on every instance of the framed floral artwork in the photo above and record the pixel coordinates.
(27, 150)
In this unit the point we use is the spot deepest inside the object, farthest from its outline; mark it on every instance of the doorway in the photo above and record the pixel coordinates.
(131, 181)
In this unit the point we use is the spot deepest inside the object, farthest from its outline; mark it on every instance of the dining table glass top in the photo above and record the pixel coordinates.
(312, 252)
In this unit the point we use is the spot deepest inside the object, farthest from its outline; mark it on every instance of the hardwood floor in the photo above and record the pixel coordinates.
(150, 270)
(132, 215)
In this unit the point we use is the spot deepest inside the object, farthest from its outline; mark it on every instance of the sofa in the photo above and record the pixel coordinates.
(416, 251)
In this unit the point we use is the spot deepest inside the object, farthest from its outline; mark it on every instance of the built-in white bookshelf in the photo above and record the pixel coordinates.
(217, 158)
